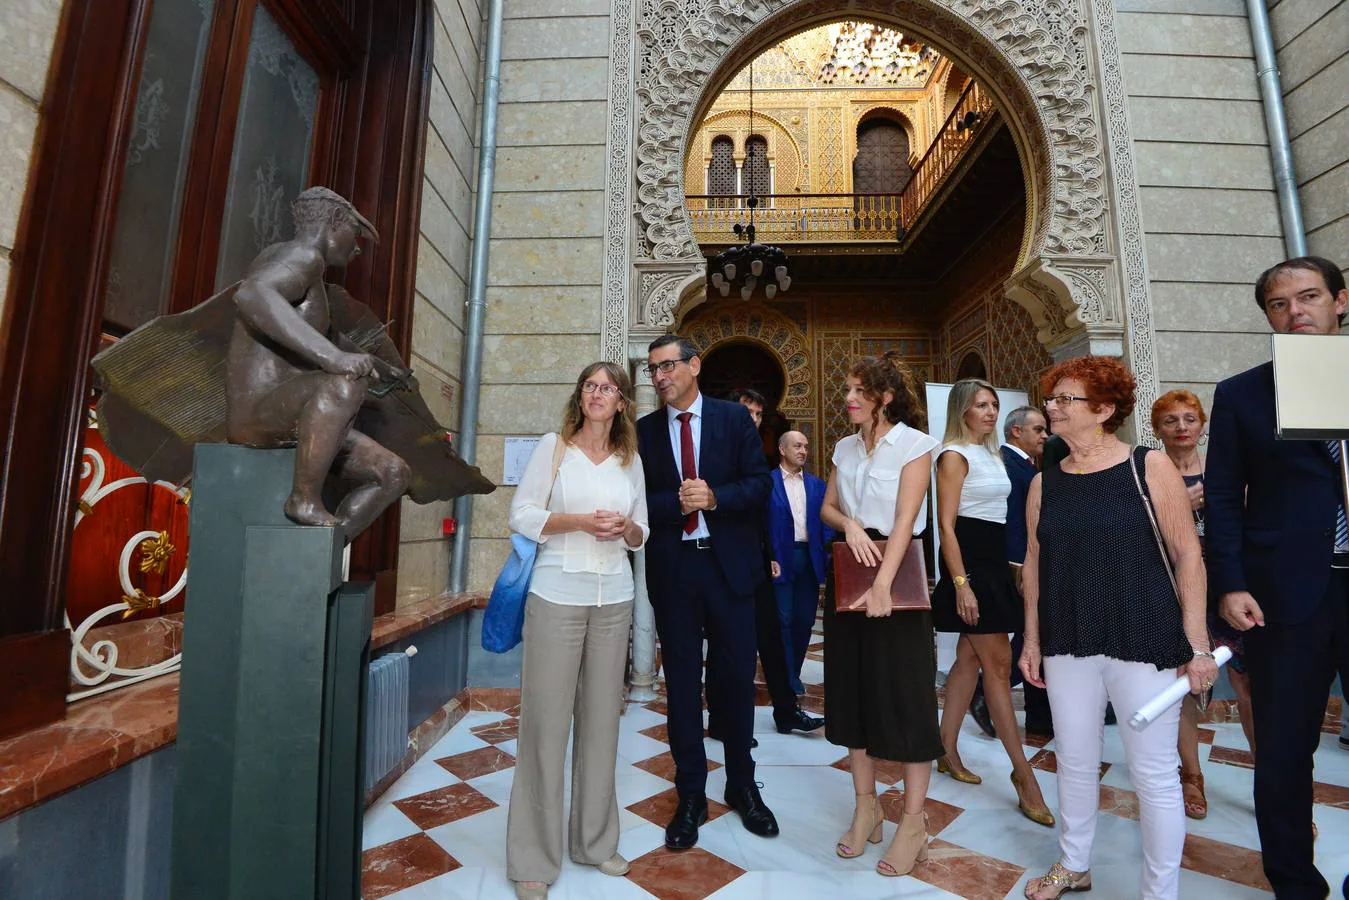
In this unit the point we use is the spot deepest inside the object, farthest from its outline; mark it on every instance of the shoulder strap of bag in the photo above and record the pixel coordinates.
(558, 451)
(1152, 517)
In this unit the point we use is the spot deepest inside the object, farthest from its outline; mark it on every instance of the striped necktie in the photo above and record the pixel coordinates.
(1341, 525)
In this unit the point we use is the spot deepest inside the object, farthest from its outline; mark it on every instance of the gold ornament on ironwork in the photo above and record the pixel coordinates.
(85, 508)
(155, 553)
(140, 602)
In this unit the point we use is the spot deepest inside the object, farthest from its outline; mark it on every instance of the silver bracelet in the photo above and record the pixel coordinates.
(1205, 654)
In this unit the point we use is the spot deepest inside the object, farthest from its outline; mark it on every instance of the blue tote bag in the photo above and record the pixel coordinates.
(503, 624)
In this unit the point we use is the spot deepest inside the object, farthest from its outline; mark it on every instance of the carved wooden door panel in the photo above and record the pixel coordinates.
(881, 167)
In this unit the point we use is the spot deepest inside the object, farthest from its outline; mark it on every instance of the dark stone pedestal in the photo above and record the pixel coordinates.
(275, 651)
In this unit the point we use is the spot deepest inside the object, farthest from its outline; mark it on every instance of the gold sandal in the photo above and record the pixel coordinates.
(852, 839)
(1060, 881)
(1192, 789)
(907, 849)
(1040, 816)
(961, 774)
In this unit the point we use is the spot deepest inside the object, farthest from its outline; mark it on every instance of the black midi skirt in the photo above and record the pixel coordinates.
(880, 682)
(983, 548)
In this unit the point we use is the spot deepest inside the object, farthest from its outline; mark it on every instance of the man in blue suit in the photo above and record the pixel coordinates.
(1278, 559)
(800, 542)
(706, 485)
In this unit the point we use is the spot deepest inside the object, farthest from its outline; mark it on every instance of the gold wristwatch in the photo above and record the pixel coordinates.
(961, 580)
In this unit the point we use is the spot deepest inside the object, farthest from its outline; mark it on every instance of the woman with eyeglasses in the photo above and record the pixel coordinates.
(1114, 589)
(1178, 420)
(576, 629)
(977, 596)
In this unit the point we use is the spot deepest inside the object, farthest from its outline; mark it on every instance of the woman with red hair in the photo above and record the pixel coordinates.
(1115, 607)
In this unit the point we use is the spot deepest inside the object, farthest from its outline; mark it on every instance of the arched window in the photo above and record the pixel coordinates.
(882, 162)
(758, 178)
(721, 175)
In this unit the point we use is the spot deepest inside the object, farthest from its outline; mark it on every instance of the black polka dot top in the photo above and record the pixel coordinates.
(1104, 589)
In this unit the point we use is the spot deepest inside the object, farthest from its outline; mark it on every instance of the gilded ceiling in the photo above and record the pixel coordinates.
(842, 54)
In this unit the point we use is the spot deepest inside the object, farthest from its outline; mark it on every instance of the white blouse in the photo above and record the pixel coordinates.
(868, 486)
(984, 494)
(575, 569)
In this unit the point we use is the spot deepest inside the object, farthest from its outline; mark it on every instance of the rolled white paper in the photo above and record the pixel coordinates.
(1172, 695)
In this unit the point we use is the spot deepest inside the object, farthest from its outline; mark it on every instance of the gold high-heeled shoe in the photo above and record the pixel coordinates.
(961, 774)
(1041, 816)
(850, 846)
(1060, 881)
(907, 849)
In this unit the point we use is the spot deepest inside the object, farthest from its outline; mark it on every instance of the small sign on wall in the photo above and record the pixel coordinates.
(516, 457)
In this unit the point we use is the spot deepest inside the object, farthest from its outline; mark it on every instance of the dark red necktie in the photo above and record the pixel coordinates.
(687, 464)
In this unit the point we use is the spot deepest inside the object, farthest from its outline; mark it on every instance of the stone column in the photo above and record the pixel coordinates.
(642, 682)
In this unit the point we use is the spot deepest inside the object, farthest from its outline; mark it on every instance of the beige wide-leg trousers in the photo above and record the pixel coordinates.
(572, 675)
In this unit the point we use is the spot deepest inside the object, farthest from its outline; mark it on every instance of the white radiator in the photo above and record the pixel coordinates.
(386, 716)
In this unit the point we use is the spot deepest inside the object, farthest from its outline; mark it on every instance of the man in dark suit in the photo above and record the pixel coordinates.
(706, 484)
(800, 543)
(1278, 559)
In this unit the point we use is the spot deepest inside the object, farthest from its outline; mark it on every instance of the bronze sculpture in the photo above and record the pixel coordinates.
(284, 359)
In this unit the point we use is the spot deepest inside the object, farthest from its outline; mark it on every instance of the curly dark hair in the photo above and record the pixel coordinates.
(879, 374)
(1105, 379)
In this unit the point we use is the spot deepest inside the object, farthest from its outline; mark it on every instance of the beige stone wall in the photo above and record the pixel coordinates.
(1311, 38)
(449, 180)
(27, 33)
(547, 247)
(1207, 194)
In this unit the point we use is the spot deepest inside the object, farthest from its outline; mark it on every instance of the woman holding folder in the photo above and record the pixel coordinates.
(880, 669)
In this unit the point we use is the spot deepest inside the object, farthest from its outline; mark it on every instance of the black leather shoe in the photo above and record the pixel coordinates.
(682, 832)
(799, 720)
(753, 741)
(757, 818)
(979, 712)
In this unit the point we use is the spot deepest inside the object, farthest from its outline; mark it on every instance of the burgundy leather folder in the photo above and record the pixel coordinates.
(852, 580)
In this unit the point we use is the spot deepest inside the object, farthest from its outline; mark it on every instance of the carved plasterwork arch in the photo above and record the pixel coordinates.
(777, 334)
(1054, 69)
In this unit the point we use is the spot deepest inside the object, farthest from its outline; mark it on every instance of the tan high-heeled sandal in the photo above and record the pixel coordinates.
(853, 838)
(1192, 789)
(907, 849)
(1059, 880)
(1039, 815)
(959, 773)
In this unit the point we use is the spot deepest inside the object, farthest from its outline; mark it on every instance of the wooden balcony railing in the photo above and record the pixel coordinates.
(798, 218)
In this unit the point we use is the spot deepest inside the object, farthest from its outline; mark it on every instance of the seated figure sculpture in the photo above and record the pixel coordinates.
(304, 365)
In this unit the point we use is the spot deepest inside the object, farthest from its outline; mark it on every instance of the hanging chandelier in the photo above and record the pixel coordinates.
(746, 265)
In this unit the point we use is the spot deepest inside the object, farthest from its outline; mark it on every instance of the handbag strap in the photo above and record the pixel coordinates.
(558, 452)
(1152, 518)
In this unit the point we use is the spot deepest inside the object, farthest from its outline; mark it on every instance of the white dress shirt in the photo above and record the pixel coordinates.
(868, 485)
(795, 486)
(1017, 450)
(696, 425)
(574, 568)
(984, 493)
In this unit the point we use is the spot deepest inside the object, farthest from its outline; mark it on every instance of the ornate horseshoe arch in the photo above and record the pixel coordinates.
(1052, 65)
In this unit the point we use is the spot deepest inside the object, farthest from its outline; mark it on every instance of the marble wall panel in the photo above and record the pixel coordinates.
(446, 123)
(1190, 306)
(1197, 121)
(440, 390)
(422, 521)
(4, 281)
(544, 310)
(491, 513)
(27, 36)
(548, 9)
(448, 177)
(545, 80)
(1168, 163)
(1319, 97)
(578, 168)
(1310, 52)
(1332, 241)
(439, 283)
(423, 570)
(491, 456)
(1184, 35)
(1210, 211)
(1322, 148)
(1194, 7)
(1212, 78)
(18, 128)
(1326, 198)
(1194, 358)
(557, 214)
(1288, 20)
(562, 124)
(486, 555)
(466, 32)
(555, 38)
(537, 358)
(435, 338)
(443, 230)
(521, 409)
(546, 261)
(459, 83)
(1210, 259)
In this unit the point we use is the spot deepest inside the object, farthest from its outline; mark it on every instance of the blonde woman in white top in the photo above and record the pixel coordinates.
(576, 630)
(977, 596)
(879, 668)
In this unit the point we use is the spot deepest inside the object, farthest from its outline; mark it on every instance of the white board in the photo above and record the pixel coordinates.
(516, 457)
(937, 394)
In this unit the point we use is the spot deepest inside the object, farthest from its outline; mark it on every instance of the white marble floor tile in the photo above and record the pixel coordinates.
(383, 823)
(425, 775)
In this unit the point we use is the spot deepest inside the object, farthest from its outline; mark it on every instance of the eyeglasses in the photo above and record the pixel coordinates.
(1061, 400)
(665, 368)
(606, 390)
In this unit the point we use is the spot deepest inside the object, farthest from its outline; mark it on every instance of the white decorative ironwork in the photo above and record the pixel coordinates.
(95, 667)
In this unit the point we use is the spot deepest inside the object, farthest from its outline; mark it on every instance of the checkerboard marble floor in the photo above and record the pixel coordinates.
(440, 831)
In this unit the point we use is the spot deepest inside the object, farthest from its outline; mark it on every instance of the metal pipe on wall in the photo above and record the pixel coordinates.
(471, 380)
(1276, 127)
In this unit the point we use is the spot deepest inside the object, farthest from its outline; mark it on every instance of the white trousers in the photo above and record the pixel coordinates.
(1078, 691)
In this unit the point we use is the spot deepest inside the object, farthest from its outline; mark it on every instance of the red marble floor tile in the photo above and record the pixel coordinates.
(811, 704)
(1225, 861)
(1331, 795)
(1232, 757)
(815, 690)
(1035, 740)
(887, 772)
(682, 875)
(401, 864)
(939, 814)
(966, 873)
(450, 804)
(659, 706)
(497, 732)
(658, 809)
(659, 732)
(1206, 735)
(474, 763)
(493, 699)
(663, 766)
(816, 647)
(1047, 761)
(1119, 802)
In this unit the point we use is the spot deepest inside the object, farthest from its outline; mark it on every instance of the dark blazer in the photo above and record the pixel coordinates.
(1270, 505)
(731, 461)
(1022, 472)
(782, 534)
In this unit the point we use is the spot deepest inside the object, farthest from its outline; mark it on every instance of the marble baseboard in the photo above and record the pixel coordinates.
(423, 738)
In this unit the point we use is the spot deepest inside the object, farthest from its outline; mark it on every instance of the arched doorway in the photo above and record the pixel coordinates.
(736, 365)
